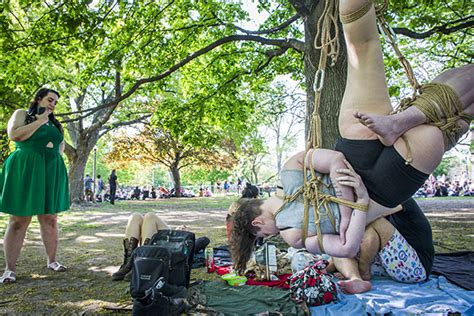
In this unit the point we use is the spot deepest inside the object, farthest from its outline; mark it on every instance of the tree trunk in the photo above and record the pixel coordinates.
(4, 145)
(334, 81)
(174, 170)
(77, 164)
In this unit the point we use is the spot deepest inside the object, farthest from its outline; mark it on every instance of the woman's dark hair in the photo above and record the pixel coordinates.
(33, 109)
(243, 233)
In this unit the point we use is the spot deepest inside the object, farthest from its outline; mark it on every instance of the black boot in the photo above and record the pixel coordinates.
(128, 246)
(128, 276)
(156, 304)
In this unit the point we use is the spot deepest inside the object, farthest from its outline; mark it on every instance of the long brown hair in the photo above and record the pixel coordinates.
(243, 235)
(33, 109)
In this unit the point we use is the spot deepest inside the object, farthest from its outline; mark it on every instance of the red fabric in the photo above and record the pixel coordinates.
(281, 283)
(223, 270)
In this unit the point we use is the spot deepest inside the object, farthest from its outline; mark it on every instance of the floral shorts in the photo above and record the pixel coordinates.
(398, 260)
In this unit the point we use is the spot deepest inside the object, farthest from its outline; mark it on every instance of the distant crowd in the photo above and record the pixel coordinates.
(100, 190)
(443, 186)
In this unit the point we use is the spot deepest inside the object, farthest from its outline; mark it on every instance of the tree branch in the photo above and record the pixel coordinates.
(120, 124)
(283, 43)
(464, 23)
(272, 30)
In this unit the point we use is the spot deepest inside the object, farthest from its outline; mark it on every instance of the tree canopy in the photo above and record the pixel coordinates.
(116, 63)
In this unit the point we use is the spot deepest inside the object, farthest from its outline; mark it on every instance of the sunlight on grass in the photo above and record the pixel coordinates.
(88, 239)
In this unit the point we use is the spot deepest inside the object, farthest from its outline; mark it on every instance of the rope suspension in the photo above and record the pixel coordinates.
(390, 36)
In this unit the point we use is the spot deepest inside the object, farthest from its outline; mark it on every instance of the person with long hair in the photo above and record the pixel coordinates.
(34, 180)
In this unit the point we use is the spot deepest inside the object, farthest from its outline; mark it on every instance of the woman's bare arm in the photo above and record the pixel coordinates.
(18, 130)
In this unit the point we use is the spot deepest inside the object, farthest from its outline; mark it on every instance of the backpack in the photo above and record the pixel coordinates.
(181, 245)
(169, 254)
(149, 264)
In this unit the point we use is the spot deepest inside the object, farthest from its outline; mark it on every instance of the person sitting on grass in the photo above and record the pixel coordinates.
(140, 229)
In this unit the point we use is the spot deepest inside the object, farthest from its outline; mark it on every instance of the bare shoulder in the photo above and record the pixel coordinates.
(18, 118)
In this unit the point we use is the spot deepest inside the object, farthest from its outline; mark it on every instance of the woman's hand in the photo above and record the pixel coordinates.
(44, 117)
(352, 179)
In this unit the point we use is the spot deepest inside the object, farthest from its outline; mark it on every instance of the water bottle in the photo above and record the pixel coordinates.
(299, 262)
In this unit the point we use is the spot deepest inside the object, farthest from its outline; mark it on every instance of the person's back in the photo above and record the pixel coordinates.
(88, 182)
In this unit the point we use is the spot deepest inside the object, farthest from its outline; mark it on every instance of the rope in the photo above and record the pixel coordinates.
(435, 102)
(390, 36)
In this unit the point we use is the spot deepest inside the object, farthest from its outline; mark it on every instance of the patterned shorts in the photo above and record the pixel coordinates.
(398, 260)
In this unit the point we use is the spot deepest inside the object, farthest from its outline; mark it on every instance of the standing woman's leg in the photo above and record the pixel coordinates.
(151, 224)
(13, 240)
(366, 88)
(49, 235)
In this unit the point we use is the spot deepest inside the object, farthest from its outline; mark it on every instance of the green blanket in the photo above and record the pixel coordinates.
(219, 298)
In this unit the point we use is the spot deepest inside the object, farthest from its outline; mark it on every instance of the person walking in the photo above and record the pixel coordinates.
(34, 180)
(112, 186)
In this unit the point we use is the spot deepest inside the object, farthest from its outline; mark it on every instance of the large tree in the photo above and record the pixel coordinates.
(113, 56)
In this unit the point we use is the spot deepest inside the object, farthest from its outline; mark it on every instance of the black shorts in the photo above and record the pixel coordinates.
(389, 180)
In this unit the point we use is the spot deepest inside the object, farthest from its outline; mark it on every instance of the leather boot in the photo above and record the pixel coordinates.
(128, 275)
(156, 304)
(128, 246)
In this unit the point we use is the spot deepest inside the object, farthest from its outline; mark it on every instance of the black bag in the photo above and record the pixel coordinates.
(149, 264)
(181, 245)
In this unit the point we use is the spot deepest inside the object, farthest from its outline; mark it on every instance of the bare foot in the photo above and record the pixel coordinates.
(383, 125)
(354, 286)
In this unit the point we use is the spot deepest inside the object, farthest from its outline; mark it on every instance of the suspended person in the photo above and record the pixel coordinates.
(394, 155)
(390, 181)
(34, 180)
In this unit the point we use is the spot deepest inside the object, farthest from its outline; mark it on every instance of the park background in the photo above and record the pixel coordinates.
(185, 93)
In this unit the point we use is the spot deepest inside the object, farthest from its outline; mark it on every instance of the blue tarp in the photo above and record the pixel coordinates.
(437, 296)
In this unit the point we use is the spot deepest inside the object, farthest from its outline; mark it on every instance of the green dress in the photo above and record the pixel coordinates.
(34, 179)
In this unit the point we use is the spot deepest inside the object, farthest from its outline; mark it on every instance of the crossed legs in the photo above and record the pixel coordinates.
(366, 92)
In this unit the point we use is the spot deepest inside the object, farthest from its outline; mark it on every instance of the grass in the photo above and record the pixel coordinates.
(90, 245)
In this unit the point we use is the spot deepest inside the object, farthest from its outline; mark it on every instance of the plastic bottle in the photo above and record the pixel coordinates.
(299, 262)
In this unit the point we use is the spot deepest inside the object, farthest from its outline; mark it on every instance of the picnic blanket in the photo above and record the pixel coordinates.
(436, 296)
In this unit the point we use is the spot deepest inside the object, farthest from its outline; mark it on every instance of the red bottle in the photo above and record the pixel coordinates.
(209, 257)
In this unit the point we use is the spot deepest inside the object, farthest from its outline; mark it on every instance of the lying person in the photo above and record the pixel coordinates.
(279, 215)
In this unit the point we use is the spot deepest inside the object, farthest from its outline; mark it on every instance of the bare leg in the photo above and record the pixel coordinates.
(376, 236)
(13, 241)
(349, 269)
(134, 226)
(49, 234)
(366, 88)
(390, 128)
(151, 224)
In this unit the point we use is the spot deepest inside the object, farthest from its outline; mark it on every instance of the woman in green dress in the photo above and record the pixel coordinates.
(34, 180)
